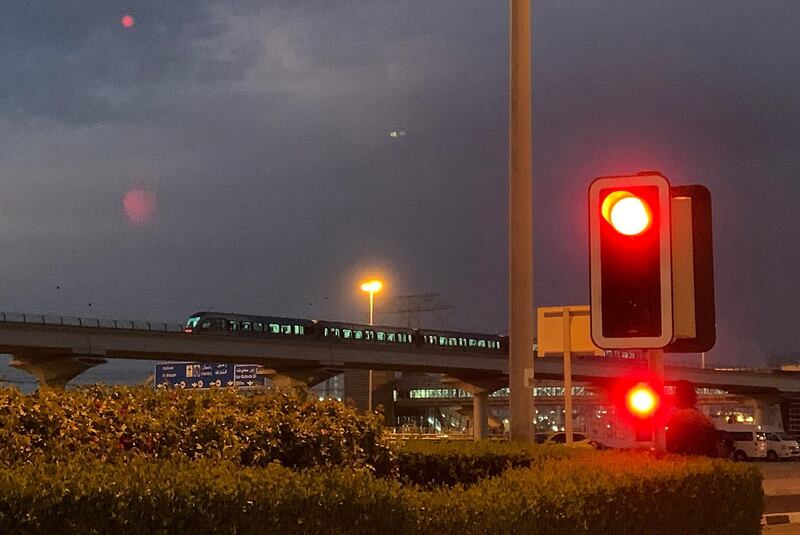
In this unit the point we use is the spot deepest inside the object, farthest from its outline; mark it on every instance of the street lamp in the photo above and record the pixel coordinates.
(371, 287)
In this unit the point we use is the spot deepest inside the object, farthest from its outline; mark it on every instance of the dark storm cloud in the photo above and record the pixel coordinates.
(263, 129)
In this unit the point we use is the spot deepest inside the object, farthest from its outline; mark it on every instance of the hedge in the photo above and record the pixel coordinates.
(117, 423)
(466, 462)
(596, 492)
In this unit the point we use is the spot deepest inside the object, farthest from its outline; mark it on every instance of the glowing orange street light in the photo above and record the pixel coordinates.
(628, 214)
(372, 287)
(642, 401)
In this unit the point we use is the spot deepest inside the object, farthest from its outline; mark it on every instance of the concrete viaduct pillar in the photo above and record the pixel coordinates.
(767, 410)
(55, 370)
(480, 386)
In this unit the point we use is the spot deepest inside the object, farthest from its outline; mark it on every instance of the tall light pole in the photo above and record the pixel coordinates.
(372, 287)
(520, 227)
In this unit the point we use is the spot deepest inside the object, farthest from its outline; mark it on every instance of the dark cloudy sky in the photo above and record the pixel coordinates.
(260, 133)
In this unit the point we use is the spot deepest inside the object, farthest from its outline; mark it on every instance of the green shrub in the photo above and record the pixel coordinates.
(466, 462)
(595, 492)
(113, 423)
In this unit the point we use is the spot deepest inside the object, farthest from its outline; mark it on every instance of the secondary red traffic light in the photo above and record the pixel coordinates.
(642, 400)
(630, 251)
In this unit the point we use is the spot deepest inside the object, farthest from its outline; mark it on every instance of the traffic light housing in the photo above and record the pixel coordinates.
(652, 269)
(631, 259)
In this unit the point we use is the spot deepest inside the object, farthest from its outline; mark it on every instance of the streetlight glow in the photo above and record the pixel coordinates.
(372, 286)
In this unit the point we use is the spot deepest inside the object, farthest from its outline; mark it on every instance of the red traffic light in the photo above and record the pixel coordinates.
(630, 250)
(642, 400)
(627, 213)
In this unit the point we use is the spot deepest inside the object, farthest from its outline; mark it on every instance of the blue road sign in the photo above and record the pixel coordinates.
(194, 375)
(199, 375)
(246, 376)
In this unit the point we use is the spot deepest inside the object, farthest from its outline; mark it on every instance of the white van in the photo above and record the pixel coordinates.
(750, 442)
(780, 444)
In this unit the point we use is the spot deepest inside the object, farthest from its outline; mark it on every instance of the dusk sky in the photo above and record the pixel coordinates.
(262, 157)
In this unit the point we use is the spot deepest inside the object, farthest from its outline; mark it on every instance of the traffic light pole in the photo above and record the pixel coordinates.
(655, 362)
(520, 224)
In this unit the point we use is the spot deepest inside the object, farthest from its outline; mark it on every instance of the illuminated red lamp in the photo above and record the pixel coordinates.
(628, 214)
(642, 400)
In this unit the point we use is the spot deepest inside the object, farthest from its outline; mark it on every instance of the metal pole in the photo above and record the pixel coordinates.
(655, 361)
(567, 376)
(369, 387)
(520, 227)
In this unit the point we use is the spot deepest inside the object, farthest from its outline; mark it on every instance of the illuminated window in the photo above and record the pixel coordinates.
(299, 329)
(452, 342)
(347, 333)
(359, 335)
(258, 327)
(462, 342)
(275, 328)
(381, 336)
(369, 335)
(391, 337)
(481, 343)
(286, 329)
(233, 326)
(246, 326)
(473, 342)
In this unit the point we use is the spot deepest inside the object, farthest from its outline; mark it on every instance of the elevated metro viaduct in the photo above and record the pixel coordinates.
(56, 349)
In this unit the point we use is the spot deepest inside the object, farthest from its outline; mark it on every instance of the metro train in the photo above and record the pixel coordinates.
(221, 323)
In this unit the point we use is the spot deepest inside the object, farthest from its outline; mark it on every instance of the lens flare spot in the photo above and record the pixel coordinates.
(127, 21)
(139, 206)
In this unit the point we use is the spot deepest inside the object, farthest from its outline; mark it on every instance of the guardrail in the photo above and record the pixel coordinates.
(75, 321)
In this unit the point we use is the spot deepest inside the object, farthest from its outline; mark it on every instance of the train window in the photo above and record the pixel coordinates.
(258, 327)
(246, 326)
(299, 329)
(473, 342)
(347, 333)
(233, 326)
(359, 335)
(286, 329)
(481, 343)
(462, 342)
(275, 328)
(431, 339)
(452, 341)
(206, 324)
(332, 331)
(369, 335)
(402, 337)
(391, 337)
(381, 336)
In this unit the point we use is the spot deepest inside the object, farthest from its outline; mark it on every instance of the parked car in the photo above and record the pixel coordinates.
(578, 440)
(749, 441)
(781, 445)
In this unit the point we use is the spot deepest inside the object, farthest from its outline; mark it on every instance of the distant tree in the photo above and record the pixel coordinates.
(691, 433)
(685, 395)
